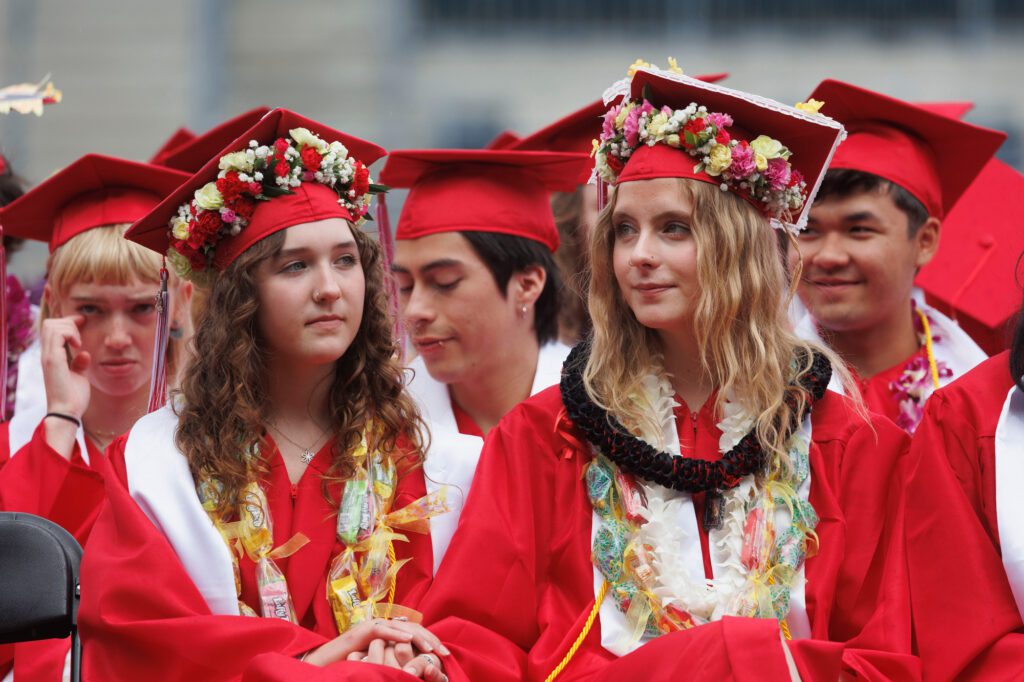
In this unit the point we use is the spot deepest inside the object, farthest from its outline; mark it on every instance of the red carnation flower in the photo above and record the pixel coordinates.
(722, 137)
(795, 178)
(695, 126)
(311, 159)
(205, 228)
(281, 145)
(244, 208)
(361, 181)
(230, 186)
(281, 168)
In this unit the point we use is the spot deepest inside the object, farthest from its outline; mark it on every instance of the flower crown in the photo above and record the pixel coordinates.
(759, 169)
(260, 173)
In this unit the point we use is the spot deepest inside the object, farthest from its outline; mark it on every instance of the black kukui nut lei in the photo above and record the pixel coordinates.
(639, 458)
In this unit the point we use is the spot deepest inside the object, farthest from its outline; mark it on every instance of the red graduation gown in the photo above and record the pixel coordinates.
(143, 618)
(966, 622)
(877, 391)
(516, 585)
(68, 492)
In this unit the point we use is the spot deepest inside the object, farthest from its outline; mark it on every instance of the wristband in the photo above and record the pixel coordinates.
(66, 417)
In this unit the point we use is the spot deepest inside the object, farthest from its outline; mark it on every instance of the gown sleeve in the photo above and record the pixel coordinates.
(966, 621)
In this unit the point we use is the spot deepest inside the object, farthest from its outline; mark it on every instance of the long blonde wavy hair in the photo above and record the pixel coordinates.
(741, 324)
(224, 410)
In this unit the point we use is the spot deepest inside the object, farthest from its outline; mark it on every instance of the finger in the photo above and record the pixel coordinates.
(404, 653)
(359, 637)
(434, 674)
(416, 666)
(389, 658)
(81, 362)
(375, 654)
(424, 639)
(356, 656)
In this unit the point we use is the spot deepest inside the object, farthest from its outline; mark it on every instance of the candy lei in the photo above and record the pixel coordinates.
(759, 548)
(362, 577)
(921, 376)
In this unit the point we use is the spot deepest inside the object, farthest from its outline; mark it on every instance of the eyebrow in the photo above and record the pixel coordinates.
(672, 213)
(145, 298)
(859, 216)
(286, 253)
(438, 264)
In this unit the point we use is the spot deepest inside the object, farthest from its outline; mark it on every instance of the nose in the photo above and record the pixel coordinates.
(829, 253)
(644, 254)
(118, 336)
(328, 288)
(417, 307)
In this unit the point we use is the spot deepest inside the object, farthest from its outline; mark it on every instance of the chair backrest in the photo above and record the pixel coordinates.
(39, 564)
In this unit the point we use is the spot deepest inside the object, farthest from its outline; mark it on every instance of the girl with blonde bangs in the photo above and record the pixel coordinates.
(692, 501)
(276, 509)
(88, 379)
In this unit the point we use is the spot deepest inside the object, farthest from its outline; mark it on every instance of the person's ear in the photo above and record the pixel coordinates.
(526, 286)
(926, 240)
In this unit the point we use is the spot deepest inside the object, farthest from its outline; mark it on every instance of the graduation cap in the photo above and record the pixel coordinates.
(577, 131)
(503, 140)
(191, 156)
(94, 191)
(972, 277)
(309, 201)
(179, 137)
(479, 190)
(735, 124)
(929, 154)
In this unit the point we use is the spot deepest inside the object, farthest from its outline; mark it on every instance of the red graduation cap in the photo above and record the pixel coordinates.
(310, 201)
(973, 276)
(955, 110)
(191, 156)
(92, 192)
(577, 131)
(479, 190)
(506, 139)
(179, 137)
(932, 156)
(810, 138)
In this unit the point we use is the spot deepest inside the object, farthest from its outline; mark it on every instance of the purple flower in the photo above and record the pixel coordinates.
(743, 163)
(228, 216)
(308, 176)
(720, 120)
(777, 174)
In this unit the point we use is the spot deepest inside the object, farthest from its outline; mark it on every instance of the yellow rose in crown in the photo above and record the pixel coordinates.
(180, 229)
(308, 139)
(656, 127)
(237, 161)
(719, 160)
(769, 148)
(209, 198)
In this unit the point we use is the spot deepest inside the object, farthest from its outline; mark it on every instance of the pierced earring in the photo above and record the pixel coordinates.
(522, 310)
(176, 332)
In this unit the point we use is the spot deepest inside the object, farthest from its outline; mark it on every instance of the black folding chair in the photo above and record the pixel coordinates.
(39, 590)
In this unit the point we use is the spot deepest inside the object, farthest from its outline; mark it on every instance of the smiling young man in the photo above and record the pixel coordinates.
(479, 293)
(876, 221)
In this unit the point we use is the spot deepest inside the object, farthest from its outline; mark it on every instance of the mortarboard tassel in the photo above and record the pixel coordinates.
(602, 194)
(158, 379)
(387, 244)
(3, 329)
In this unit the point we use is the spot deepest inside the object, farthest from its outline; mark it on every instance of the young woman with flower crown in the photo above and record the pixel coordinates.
(273, 518)
(691, 502)
(95, 357)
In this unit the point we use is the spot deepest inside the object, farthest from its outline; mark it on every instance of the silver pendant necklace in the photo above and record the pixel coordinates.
(307, 453)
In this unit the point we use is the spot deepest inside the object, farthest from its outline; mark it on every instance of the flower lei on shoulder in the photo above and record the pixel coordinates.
(639, 458)
(758, 168)
(639, 547)
(260, 173)
(915, 385)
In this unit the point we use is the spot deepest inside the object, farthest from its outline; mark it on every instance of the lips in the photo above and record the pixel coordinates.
(651, 288)
(326, 322)
(119, 367)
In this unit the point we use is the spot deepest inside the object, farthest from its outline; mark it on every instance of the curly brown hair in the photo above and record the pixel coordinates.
(225, 386)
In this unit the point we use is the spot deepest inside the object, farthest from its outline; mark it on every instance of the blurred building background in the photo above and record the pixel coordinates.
(436, 73)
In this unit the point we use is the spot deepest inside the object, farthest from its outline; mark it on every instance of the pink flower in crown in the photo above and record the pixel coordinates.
(743, 163)
(631, 127)
(608, 128)
(720, 120)
(777, 174)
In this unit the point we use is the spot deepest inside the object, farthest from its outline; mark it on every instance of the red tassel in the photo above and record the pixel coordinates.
(602, 194)
(387, 244)
(158, 379)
